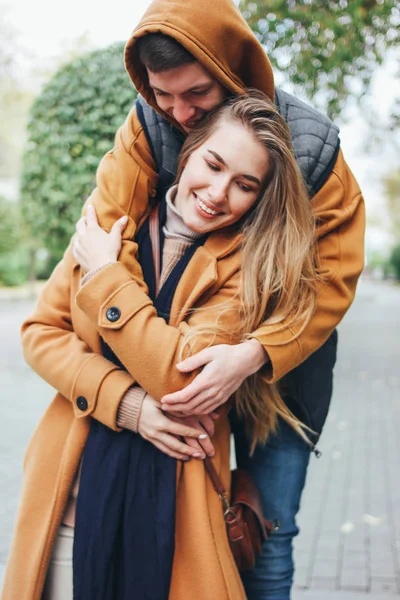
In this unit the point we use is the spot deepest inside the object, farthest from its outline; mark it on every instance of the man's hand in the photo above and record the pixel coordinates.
(224, 369)
(93, 247)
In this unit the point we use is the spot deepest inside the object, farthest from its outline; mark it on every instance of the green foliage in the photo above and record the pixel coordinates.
(328, 50)
(395, 261)
(72, 125)
(9, 225)
(13, 252)
(14, 100)
(392, 192)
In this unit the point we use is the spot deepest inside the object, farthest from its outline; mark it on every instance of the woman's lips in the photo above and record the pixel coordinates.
(202, 207)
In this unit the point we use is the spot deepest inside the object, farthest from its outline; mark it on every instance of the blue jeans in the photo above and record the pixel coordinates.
(279, 468)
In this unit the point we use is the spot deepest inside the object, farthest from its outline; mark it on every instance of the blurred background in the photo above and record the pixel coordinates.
(64, 93)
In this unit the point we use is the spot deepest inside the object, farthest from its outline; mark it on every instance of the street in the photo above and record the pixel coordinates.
(349, 545)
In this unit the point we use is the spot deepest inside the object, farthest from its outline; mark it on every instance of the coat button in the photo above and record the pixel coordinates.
(113, 314)
(81, 403)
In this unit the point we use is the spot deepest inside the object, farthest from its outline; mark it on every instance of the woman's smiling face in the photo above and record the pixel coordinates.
(222, 178)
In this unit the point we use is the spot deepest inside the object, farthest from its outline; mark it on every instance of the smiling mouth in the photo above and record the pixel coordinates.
(209, 211)
(191, 124)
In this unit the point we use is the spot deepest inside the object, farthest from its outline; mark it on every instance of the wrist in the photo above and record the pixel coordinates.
(101, 262)
(93, 272)
(256, 355)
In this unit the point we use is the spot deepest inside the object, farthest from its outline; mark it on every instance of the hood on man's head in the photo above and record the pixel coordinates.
(215, 33)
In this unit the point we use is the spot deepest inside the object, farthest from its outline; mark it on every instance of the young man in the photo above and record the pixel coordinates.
(184, 58)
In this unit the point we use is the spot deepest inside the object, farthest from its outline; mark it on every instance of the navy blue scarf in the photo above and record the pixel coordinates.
(125, 515)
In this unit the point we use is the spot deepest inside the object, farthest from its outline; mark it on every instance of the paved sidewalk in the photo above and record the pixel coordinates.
(349, 546)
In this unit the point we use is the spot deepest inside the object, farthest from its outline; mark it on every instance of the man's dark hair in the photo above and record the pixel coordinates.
(159, 52)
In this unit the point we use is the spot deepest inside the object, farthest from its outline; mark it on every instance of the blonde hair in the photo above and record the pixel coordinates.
(278, 276)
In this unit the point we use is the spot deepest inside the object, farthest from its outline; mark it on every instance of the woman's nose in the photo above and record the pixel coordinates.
(218, 191)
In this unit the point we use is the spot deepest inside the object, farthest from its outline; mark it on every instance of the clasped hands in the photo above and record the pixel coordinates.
(182, 424)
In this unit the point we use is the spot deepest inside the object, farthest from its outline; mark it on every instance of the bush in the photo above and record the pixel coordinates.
(395, 261)
(14, 258)
(72, 125)
(14, 267)
(9, 225)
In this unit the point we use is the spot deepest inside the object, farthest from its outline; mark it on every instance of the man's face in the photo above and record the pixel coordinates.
(186, 93)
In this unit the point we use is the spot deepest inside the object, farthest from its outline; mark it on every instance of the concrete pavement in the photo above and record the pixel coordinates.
(349, 546)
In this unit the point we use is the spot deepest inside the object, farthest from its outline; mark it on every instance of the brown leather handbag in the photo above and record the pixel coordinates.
(245, 525)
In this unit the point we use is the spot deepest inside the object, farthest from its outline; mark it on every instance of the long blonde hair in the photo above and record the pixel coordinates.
(278, 276)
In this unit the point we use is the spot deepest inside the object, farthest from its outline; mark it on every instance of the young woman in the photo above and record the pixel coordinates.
(236, 249)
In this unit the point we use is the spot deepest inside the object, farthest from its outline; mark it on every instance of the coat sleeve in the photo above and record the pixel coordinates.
(126, 179)
(340, 217)
(145, 344)
(55, 352)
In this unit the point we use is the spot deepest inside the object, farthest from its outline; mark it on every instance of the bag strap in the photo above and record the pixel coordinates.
(154, 233)
(217, 484)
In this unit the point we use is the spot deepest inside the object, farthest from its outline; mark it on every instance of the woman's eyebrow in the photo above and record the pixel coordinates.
(221, 160)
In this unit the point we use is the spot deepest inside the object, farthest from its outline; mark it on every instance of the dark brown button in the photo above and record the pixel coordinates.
(113, 313)
(81, 403)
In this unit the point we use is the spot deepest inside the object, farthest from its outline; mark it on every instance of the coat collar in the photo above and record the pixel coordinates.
(223, 242)
(202, 272)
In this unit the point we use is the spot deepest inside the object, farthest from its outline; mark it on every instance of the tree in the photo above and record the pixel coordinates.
(13, 251)
(395, 261)
(392, 192)
(327, 50)
(15, 100)
(72, 125)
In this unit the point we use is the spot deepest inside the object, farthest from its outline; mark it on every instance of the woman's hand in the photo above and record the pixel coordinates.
(93, 247)
(163, 432)
(224, 370)
(203, 424)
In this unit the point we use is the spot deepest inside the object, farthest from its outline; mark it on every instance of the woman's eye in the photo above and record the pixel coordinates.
(244, 187)
(213, 167)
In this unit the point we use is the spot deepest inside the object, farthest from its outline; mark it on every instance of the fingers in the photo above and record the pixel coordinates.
(181, 430)
(209, 405)
(91, 217)
(178, 447)
(166, 450)
(206, 406)
(188, 405)
(194, 388)
(208, 424)
(81, 225)
(75, 251)
(194, 362)
(195, 444)
(120, 224)
(207, 446)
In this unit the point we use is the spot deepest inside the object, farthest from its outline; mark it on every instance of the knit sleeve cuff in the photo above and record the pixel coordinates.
(130, 408)
(90, 274)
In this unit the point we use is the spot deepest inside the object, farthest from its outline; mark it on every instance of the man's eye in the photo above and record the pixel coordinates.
(159, 93)
(200, 92)
(213, 167)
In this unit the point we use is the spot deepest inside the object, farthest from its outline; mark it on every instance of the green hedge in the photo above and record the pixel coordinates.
(395, 261)
(72, 125)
